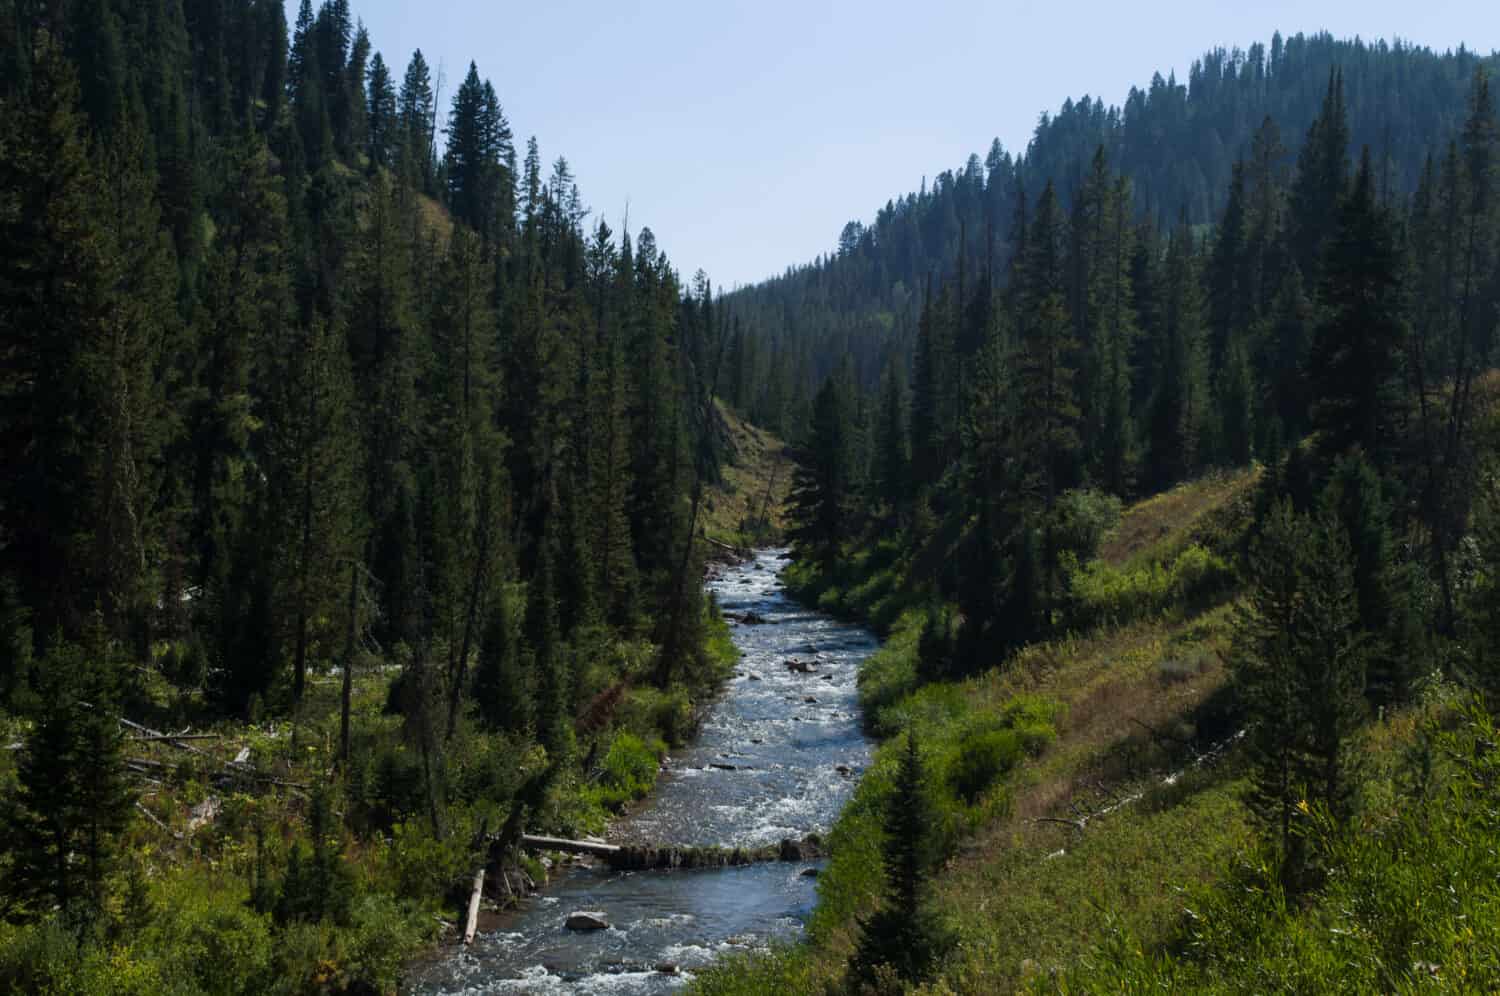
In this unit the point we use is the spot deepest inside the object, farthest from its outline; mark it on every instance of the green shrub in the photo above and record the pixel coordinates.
(982, 758)
(1102, 594)
(628, 771)
(423, 867)
(668, 715)
(212, 937)
(1083, 519)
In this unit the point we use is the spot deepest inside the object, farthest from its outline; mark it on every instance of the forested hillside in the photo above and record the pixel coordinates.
(1179, 143)
(1185, 541)
(322, 407)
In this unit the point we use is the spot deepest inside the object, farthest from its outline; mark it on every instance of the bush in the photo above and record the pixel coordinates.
(1034, 720)
(668, 715)
(981, 759)
(628, 771)
(1083, 519)
(1106, 595)
(424, 868)
(223, 947)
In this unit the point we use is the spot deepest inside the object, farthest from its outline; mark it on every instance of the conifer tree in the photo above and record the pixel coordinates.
(1357, 351)
(1177, 406)
(381, 122)
(1299, 667)
(415, 121)
(1321, 182)
(73, 802)
(891, 474)
(901, 936)
(823, 485)
(56, 268)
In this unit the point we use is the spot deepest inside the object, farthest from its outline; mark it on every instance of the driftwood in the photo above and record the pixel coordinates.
(472, 924)
(169, 738)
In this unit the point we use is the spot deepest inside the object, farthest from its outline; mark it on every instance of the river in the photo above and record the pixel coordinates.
(794, 745)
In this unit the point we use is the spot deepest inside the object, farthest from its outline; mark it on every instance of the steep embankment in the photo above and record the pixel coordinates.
(746, 506)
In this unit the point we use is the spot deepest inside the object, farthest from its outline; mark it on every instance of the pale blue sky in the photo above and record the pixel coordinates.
(746, 133)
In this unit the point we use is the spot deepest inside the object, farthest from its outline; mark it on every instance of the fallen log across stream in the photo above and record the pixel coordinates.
(643, 857)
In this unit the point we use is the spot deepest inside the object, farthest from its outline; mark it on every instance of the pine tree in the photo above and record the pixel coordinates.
(1357, 499)
(415, 122)
(312, 461)
(891, 474)
(1357, 351)
(56, 340)
(1264, 666)
(1298, 667)
(381, 121)
(1177, 406)
(901, 936)
(72, 803)
(823, 483)
(1236, 397)
(1321, 182)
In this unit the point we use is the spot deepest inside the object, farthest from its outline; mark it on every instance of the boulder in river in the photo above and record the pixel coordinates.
(811, 700)
(752, 618)
(720, 766)
(587, 920)
(667, 968)
(809, 873)
(844, 770)
(799, 666)
(755, 677)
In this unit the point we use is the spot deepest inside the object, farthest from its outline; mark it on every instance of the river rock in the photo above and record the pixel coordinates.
(753, 619)
(755, 677)
(791, 850)
(667, 968)
(811, 700)
(721, 766)
(799, 666)
(587, 920)
(844, 770)
(809, 873)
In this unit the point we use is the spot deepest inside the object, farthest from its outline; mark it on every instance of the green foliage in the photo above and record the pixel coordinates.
(627, 772)
(1083, 518)
(1104, 594)
(423, 865)
(981, 759)
(1409, 907)
(61, 829)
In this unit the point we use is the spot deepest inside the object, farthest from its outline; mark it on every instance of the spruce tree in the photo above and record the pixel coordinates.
(1357, 351)
(72, 803)
(901, 936)
(823, 485)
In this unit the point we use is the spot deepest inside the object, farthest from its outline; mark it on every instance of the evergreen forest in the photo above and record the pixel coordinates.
(358, 485)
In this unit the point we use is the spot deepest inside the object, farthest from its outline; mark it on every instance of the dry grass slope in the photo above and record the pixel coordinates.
(755, 484)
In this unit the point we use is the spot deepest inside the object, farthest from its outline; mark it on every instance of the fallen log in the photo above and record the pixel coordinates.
(172, 739)
(596, 849)
(473, 922)
(160, 825)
